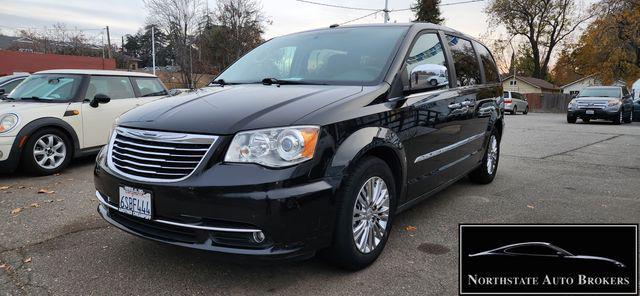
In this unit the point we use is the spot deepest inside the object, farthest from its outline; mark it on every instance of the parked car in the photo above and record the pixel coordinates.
(311, 141)
(636, 110)
(9, 82)
(602, 102)
(514, 102)
(56, 115)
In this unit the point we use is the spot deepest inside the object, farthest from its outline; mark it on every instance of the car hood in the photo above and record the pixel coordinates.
(232, 108)
(18, 107)
(595, 98)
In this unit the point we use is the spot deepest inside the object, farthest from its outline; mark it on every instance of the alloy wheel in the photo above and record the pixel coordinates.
(370, 214)
(492, 155)
(49, 151)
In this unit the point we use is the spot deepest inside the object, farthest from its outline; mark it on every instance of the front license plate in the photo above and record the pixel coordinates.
(135, 202)
(590, 112)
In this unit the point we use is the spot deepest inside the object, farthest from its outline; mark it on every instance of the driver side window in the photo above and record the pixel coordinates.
(426, 67)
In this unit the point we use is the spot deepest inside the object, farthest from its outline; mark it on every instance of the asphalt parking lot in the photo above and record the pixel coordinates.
(549, 172)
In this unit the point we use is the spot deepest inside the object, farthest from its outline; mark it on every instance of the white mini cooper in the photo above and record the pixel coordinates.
(56, 115)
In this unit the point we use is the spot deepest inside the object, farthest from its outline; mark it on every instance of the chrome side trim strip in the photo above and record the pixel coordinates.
(448, 148)
(210, 228)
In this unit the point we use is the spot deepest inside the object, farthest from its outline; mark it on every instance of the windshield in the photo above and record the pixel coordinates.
(345, 56)
(47, 87)
(609, 92)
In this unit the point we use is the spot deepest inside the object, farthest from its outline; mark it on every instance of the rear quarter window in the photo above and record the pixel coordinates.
(149, 87)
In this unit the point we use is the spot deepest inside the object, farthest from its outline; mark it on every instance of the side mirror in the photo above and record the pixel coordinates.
(99, 99)
(427, 76)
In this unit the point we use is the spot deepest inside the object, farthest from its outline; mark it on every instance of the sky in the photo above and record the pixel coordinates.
(287, 16)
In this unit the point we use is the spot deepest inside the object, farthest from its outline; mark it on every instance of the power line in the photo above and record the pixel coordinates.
(370, 14)
(339, 6)
(442, 4)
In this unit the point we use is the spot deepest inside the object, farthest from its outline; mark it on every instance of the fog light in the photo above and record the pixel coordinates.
(258, 237)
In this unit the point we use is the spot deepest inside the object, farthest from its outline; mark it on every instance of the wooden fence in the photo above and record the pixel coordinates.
(549, 103)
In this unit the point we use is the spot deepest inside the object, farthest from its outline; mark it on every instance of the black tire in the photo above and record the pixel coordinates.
(617, 119)
(586, 120)
(29, 163)
(515, 109)
(482, 174)
(344, 251)
(629, 117)
(433, 82)
(526, 110)
(571, 119)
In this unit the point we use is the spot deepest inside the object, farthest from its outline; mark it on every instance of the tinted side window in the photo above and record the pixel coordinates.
(149, 87)
(115, 87)
(426, 66)
(465, 61)
(488, 64)
(625, 92)
(516, 96)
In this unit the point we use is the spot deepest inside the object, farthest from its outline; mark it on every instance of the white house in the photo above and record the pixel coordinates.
(635, 88)
(575, 87)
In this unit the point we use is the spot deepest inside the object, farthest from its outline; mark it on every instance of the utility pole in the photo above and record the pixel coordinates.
(153, 48)
(386, 11)
(108, 43)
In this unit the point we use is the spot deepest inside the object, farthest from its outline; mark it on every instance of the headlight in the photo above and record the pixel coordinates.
(572, 103)
(612, 103)
(277, 147)
(8, 122)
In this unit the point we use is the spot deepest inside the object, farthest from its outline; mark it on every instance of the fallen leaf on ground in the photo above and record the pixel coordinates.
(59, 199)
(56, 174)
(16, 210)
(5, 266)
(5, 187)
(410, 228)
(46, 191)
(27, 260)
(531, 207)
(49, 200)
(34, 205)
(22, 187)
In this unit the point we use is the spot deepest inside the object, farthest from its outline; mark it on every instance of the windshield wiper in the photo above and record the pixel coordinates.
(270, 81)
(34, 98)
(6, 98)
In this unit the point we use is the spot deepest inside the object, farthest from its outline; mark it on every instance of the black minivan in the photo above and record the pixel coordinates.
(312, 141)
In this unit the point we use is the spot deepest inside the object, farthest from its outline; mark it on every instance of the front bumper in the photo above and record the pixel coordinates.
(8, 160)
(607, 114)
(215, 211)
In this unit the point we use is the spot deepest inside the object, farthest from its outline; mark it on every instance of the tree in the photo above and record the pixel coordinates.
(179, 19)
(428, 11)
(243, 23)
(543, 23)
(610, 47)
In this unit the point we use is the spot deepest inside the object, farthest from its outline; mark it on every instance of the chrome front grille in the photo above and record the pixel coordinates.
(156, 156)
(592, 104)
